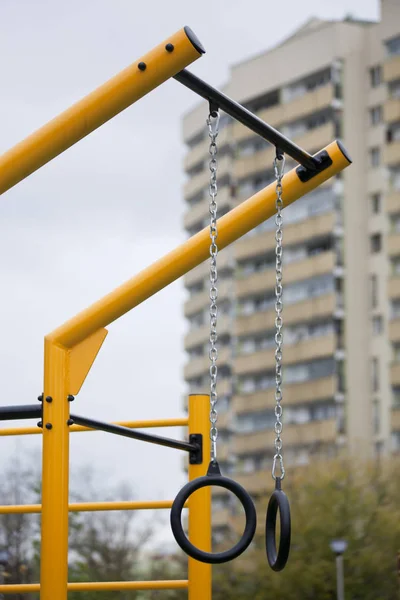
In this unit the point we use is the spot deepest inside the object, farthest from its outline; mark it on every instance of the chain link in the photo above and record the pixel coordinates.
(213, 128)
(279, 165)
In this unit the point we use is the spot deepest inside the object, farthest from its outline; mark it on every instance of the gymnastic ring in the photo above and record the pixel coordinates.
(278, 500)
(213, 477)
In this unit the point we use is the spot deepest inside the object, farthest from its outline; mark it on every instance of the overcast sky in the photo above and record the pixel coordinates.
(112, 204)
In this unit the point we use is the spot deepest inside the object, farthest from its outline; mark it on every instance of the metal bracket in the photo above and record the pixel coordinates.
(196, 456)
(322, 160)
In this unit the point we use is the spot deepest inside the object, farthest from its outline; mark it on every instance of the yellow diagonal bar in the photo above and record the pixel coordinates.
(191, 253)
(100, 106)
(10, 431)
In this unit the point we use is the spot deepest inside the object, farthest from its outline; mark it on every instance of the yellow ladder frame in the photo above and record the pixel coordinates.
(70, 350)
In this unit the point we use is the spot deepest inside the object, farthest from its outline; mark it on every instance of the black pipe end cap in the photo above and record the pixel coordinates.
(344, 151)
(194, 40)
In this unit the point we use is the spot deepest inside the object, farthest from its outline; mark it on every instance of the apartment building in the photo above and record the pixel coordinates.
(331, 79)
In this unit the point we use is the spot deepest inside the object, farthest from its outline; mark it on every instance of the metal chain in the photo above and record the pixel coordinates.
(213, 128)
(279, 165)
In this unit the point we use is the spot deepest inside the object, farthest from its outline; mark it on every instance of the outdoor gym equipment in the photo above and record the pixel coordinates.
(70, 350)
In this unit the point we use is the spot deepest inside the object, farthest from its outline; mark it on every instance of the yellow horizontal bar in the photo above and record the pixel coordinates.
(100, 106)
(191, 253)
(8, 509)
(173, 584)
(79, 428)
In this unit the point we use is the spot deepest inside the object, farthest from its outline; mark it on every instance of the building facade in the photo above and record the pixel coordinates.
(341, 254)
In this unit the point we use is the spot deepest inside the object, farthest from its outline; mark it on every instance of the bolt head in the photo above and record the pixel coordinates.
(49, 399)
(49, 426)
(169, 47)
(142, 66)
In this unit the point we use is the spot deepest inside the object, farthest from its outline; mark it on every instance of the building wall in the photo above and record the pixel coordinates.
(341, 350)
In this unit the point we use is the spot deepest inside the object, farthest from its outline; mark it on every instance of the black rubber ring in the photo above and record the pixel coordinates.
(240, 493)
(278, 500)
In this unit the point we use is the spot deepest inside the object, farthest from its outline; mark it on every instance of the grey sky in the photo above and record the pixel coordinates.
(112, 204)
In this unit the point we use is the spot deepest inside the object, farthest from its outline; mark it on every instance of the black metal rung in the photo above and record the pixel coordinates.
(136, 435)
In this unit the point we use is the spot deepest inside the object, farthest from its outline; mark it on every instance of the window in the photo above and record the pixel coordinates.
(374, 290)
(375, 374)
(375, 157)
(393, 132)
(375, 243)
(376, 421)
(376, 203)
(375, 76)
(375, 115)
(393, 46)
(377, 325)
(394, 88)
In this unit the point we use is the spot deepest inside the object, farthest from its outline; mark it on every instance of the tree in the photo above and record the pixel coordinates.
(333, 500)
(17, 531)
(105, 546)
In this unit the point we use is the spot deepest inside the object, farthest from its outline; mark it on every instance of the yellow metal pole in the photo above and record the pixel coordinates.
(200, 503)
(24, 509)
(79, 428)
(131, 84)
(26, 588)
(194, 251)
(55, 475)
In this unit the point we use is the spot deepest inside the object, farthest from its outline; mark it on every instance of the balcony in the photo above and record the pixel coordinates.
(294, 435)
(202, 271)
(395, 374)
(201, 300)
(295, 393)
(224, 387)
(309, 103)
(200, 211)
(308, 310)
(393, 202)
(256, 483)
(261, 243)
(201, 365)
(199, 336)
(297, 271)
(391, 154)
(223, 423)
(273, 116)
(221, 518)
(201, 181)
(395, 420)
(394, 287)
(302, 351)
(394, 244)
(253, 163)
(296, 109)
(391, 69)
(316, 139)
(312, 140)
(394, 330)
(391, 110)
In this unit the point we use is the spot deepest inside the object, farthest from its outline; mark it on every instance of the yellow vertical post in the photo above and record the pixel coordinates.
(200, 502)
(55, 478)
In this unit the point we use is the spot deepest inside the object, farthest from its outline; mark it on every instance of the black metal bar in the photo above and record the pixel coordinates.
(25, 411)
(240, 113)
(136, 435)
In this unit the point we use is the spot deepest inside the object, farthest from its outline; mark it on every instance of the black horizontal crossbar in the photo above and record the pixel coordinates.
(247, 118)
(137, 435)
(24, 411)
